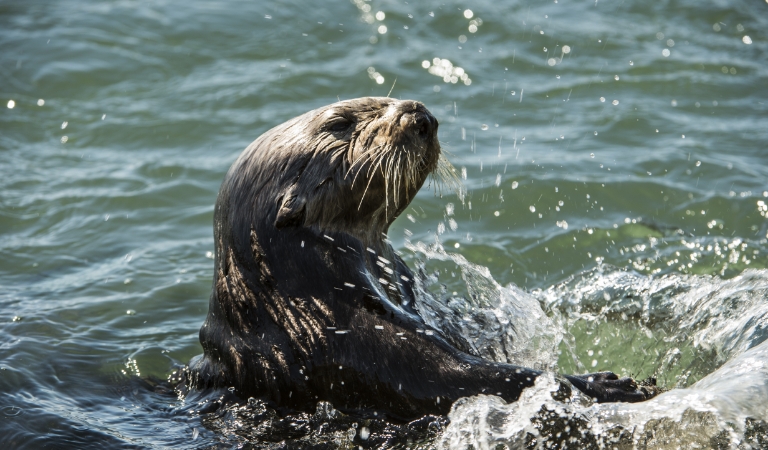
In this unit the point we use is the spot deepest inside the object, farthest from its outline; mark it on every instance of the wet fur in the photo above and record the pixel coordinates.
(309, 301)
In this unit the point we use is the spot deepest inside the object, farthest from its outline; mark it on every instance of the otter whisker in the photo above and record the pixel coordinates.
(378, 159)
(445, 174)
(391, 179)
(387, 183)
(398, 177)
(372, 158)
(364, 192)
(409, 175)
(396, 183)
(367, 154)
(375, 165)
(356, 175)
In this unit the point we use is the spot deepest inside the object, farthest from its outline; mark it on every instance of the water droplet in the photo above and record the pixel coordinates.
(615, 102)
(496, 213)
(468, 13)
(514, 185)
(717, 27)
(380, 15)
(11, 104)
(532, 208)
(11, 411)
(747, 40)
(131, 312)
(602, 99)
(665, 52)
(566, 49)
(64, 139)
(382, 29)
(551, 61)
(616, 77)
(595, 133)
(40, 102)
(631, 63)
(64, 125)
(483, 127)
(591, 155)
(670, 43)
(659, 35)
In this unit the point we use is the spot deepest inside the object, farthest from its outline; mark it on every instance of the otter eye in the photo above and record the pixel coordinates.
(340, 125)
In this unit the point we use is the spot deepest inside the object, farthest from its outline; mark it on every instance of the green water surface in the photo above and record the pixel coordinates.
(620, 133)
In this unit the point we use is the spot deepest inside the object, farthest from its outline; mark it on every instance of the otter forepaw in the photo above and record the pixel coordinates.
(607, 387)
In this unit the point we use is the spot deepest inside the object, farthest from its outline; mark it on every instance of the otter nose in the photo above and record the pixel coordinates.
(425, 123)
(418, 118)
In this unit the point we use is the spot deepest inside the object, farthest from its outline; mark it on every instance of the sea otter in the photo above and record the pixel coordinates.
(310, 303)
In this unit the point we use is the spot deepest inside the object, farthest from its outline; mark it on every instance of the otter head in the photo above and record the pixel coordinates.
(352, 166)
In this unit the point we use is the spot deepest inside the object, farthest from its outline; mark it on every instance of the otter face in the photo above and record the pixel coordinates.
(362, 162)
(390, 148)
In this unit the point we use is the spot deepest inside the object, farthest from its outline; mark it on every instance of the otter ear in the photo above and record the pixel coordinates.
(292, 209)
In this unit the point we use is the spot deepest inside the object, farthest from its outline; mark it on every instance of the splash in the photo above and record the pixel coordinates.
(503, 324)
(725, 410)
(686, 325)
(705, 336)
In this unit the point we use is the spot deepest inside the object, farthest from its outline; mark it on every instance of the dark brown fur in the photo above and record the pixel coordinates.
(309, 301)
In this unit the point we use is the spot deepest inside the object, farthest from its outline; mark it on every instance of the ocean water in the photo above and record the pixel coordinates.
(614, 155)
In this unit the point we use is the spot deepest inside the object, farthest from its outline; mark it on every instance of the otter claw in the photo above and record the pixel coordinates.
(608, 387)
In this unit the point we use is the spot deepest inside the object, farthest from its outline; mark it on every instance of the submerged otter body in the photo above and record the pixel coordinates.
(310, 302)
